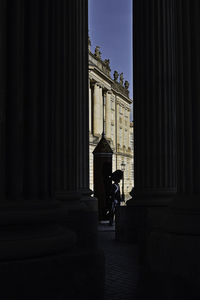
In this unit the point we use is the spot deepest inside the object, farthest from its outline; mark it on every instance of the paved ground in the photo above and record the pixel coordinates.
(122, 270)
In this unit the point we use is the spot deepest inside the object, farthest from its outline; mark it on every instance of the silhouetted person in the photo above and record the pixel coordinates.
(115, 196)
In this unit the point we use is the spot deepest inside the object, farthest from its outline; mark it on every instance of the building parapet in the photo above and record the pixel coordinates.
(104, 65)
(120, 88)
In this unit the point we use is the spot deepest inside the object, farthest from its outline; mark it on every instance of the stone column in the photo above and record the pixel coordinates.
(90, 107)
(96, 125)
(114, 130)
(72, 114)
(44, 152)
(188, 75)
(30, 218)
(108, 115)
(116, 122)
(180, 236)
(154, 95)
(154, 116)
(100, 110)
(72, 122)
(3, 92)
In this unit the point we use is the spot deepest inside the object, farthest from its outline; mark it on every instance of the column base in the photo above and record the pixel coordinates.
(41, 259)
(139, 217)
(173, 251)
(82, 216)
(68, 275)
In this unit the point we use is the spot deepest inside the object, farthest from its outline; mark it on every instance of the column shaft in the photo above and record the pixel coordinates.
(14, 101)
(116, 123)
(100, 112)
(108, 115)
(96, 113)
(180, 230)
(188, 141)
(154, 98)
(154, 118)
(3, 93)
(43, 96)
(90, 108)
(72, 109)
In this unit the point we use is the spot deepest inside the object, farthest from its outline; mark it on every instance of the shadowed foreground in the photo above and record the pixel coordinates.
(122, 268)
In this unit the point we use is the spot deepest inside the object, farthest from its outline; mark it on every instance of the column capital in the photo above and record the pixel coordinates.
(93, 83)
(99, 84)
(106, 90)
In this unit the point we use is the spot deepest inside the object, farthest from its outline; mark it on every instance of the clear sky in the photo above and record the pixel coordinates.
(110, 27)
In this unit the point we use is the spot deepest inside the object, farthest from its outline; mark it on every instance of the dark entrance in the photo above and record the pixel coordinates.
(102, 175)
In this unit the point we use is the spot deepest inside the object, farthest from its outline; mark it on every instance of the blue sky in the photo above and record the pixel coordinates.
(110, 27)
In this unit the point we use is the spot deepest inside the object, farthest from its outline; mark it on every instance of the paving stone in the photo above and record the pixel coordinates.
(122, 268)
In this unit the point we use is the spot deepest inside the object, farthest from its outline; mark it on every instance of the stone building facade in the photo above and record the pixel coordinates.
(109, 112)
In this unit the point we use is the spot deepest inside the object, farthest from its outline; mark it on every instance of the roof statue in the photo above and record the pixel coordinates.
(126, 84)
(97, 52)
(121, 78)
(115, 75)
(119, 84)
(107, 63)
(89, 42)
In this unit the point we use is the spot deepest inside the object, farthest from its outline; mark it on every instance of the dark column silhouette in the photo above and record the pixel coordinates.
(3, 91)
(48, 219)
(154, 95)
(177, 244)
(154, 119)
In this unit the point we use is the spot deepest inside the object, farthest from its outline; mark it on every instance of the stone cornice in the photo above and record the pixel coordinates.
(127, 99)
(98, 72)
(104, 87)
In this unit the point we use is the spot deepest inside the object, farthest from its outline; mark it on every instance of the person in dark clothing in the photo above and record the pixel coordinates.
(115, 196)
